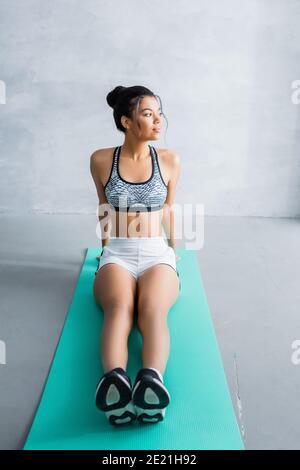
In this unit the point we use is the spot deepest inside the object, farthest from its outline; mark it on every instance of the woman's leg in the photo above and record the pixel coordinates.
(114, 291)
(158, 288)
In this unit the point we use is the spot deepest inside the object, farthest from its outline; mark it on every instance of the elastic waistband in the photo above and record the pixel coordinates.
(159, 237)
(136, 240)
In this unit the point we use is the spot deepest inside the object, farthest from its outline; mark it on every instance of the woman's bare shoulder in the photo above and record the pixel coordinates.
(100, 163)
(100, 154)
(169, 156)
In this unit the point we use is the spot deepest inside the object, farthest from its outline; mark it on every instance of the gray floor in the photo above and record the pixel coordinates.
(251, 271)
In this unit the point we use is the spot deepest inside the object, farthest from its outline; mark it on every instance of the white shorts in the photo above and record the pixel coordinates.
(137, 254)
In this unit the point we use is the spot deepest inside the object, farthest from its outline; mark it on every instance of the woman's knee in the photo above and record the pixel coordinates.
(150, 312)
(116, 312)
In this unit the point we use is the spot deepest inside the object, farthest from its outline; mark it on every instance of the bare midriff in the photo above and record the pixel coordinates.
(136, 224)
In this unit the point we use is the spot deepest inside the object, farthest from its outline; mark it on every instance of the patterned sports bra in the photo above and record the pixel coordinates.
(123, 195)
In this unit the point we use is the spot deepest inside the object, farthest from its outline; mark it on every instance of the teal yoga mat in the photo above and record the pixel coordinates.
(200, 414)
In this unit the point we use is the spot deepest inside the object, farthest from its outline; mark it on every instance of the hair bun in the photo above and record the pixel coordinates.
(114, 95)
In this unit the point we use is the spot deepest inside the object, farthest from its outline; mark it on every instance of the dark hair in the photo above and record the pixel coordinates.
(125, 101)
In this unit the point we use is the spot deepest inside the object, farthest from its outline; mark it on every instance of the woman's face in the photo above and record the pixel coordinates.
(149, 117)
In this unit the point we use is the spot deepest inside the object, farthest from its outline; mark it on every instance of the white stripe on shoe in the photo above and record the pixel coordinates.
(158, 373)
(150, 416)
(121, 415)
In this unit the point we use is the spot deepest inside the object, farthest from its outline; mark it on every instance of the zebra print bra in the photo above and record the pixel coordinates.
(123, 195)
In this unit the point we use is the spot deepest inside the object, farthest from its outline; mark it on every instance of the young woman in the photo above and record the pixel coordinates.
(135, 183)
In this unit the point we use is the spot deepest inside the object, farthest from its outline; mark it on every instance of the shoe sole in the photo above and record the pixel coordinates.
(150, 398)
(113, 397)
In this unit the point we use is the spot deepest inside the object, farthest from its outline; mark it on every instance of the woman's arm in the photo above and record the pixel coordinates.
(95, 172)
(168, 220)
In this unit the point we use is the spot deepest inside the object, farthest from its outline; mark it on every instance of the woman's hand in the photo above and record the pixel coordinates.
(98, 257)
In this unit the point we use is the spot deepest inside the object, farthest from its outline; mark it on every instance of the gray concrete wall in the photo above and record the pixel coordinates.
(224, 71)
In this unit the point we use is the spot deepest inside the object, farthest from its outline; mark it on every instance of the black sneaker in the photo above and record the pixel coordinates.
(149, 396)
(113, 396)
